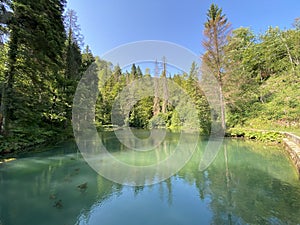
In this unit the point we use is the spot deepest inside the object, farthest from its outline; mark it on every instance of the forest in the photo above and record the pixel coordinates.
(43, 58)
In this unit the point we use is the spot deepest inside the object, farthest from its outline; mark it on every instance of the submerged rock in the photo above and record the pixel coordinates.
(58, 204)
(82, 187)
(52, 196)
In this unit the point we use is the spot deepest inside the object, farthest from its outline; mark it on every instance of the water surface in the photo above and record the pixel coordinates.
(248, 183)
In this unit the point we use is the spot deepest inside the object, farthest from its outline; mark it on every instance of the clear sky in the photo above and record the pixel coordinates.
(106, 24)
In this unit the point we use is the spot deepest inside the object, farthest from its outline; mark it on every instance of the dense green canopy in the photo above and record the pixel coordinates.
(43, 60)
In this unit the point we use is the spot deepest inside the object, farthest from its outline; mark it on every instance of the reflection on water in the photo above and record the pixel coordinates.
(136, 167)
(248, 183)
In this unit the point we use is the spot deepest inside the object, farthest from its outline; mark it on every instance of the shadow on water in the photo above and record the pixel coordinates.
(248, 183)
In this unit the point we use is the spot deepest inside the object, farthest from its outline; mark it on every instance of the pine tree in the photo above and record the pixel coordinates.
(139, 73)
(198, 98)
(87, 59)
(217, 30)
(73, 60)
(34, 58)
(133, 73)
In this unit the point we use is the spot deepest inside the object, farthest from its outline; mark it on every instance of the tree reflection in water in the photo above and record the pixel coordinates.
(248, 183)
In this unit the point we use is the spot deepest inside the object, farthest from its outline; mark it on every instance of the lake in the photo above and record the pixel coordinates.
(247, 183)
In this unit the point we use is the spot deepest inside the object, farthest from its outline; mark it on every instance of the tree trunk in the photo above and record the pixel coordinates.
(6, 105)
(289, 53)
(7, 92)
(156, 106)
(165, 87)
(222, 106)
(166, 95)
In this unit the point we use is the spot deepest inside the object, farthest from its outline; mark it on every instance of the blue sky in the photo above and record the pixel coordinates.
(106, 24)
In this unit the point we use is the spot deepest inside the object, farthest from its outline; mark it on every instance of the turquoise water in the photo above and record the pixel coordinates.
(248, 183)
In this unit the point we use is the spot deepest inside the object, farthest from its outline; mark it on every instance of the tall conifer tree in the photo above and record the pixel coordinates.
(217, 29)
(34, 56)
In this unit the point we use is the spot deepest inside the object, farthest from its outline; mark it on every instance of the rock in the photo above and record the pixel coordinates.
(82, 187)
(58, 204)
(52, 196)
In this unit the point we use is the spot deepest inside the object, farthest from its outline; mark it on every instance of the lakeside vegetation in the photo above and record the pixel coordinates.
(43, 59)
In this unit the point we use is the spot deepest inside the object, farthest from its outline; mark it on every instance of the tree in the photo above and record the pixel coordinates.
(72, 28)
(241, 86)
(217, 30)
(296, 23)
(194, 90)
(164, 87)
(107, 95)
(117, 73)
(133, 73)
(73, 60)
(87, 58)
(3, 60)
(156, 99)
(141, 113)
(175, 121)
(139, 72)
(34, 58)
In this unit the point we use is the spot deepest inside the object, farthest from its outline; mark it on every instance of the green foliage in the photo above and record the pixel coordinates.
(42, 63)
(259, 74)
(240, 88)
(262, 80)
(27, 138)
(34, 57)
(41, 68)
(159, 121)
(3, 59)
(109, 87)
(175, 122)
(141, 113)
(265, 136)
(74, 64)
(216, 33)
